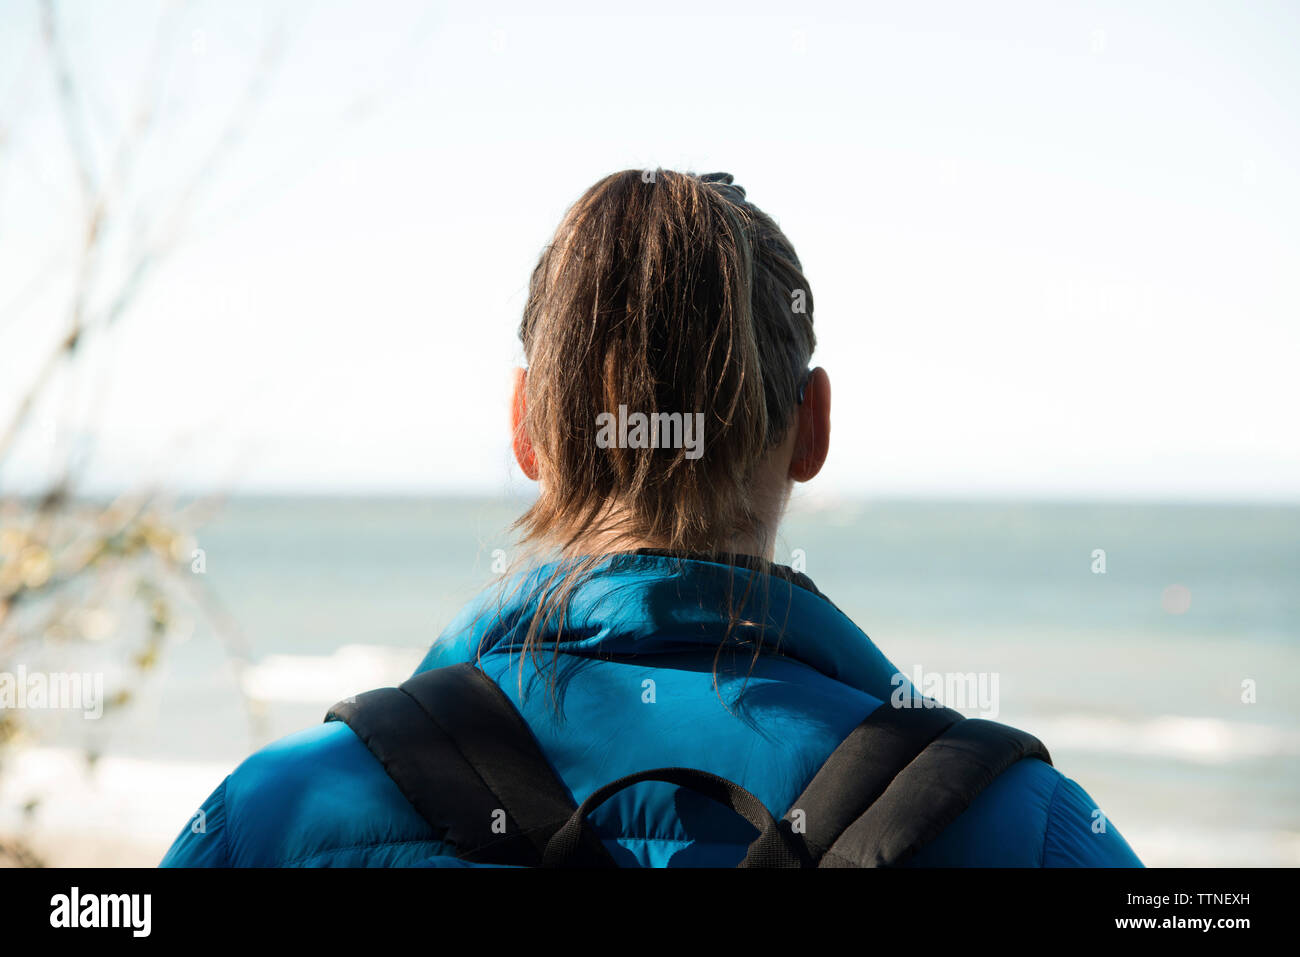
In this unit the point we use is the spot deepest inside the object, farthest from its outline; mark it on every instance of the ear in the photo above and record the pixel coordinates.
(522, 444)
(814, 439)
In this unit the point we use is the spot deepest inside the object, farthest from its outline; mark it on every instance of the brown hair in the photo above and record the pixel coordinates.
(662, 292)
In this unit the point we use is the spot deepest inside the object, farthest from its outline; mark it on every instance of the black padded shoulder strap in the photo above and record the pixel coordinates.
(860, 769)
(899, 779)
(463, 756)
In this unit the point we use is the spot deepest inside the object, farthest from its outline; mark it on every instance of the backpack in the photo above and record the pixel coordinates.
(462, 754)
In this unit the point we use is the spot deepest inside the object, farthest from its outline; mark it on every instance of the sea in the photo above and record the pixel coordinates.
(1154, 648)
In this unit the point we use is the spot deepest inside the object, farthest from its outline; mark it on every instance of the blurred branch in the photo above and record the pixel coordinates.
(70, 109)
(68, 566)
(146, 255)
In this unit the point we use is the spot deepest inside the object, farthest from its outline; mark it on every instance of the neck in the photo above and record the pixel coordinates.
(612, 530)
(612, 533)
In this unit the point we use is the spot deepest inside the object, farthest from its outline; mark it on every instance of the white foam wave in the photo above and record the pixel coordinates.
(1186, 846)
(122, 811)
(325, 679)
(1178, 737)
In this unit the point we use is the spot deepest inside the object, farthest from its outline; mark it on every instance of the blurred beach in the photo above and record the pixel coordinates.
(1133, 677)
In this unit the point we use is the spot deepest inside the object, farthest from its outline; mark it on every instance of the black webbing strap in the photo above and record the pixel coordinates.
(861, 768)
(931, 791)
(461, 753)
(773, 847)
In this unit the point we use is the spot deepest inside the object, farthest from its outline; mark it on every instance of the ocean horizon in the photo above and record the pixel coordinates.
(1152, 647)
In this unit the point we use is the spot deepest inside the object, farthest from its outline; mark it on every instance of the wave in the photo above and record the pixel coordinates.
(1179, 737)
(325, 679)
(1163, 846)
(120, 811)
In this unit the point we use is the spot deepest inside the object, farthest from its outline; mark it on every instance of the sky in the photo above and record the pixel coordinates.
(1054, 248)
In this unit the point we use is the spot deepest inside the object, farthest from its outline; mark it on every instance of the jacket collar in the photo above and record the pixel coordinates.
(783, 572)
(655, 603)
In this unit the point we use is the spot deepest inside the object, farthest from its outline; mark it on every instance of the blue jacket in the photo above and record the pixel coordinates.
(641, 646)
